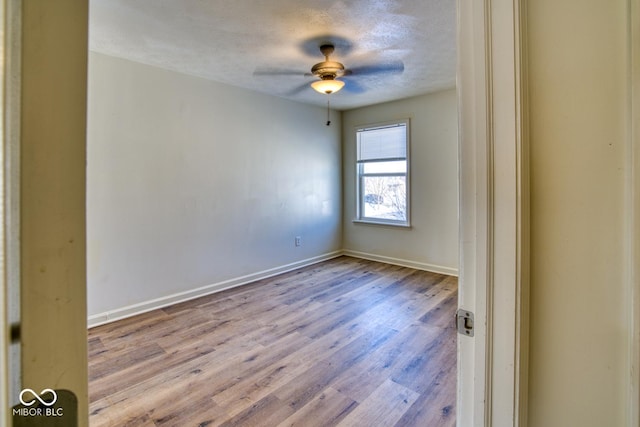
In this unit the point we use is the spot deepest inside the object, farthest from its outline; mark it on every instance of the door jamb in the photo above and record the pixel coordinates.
(494, 212)
(632, 219)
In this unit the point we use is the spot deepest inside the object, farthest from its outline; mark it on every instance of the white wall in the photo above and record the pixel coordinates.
(432, 241)
(193, 183)
(579, 328)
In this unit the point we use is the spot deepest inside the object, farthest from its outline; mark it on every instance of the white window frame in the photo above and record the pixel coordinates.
(360, 218)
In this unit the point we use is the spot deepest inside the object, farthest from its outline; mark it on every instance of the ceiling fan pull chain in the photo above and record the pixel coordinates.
(328, 113)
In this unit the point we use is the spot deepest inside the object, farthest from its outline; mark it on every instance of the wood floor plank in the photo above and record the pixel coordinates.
(300, 359)
(184, 409)
(343, 342)
(154, 368)
(268, 411)
(418, 373)
(127, 358)
(384, 407)
(310, 383)
(359, 381)
(326, 409)
(436, 407)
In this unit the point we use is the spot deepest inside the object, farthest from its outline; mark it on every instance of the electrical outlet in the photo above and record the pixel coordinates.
(298, 241)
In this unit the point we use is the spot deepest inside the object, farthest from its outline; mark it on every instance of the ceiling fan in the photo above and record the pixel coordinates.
(329, 71)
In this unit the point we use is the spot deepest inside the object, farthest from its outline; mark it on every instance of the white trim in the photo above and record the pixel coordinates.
(472, 34)
(11, 80)
(5, 339)
(507, 321)
(632, 219)
(492, 369)
(403, 262)
(381, 222)
(523, 270)
(154, 304)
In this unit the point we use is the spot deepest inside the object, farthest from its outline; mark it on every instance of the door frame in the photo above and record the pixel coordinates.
(494, 212)
(632, 217)
(5, 337)
(10, 72)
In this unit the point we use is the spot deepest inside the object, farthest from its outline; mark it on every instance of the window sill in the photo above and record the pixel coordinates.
(383, 223)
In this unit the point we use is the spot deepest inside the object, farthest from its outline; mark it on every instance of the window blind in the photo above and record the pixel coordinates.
(382, 143)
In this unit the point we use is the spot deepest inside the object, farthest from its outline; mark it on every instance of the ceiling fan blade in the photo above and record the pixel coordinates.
(265, 71)
(298, 89)
(351, 86)
(382, 68)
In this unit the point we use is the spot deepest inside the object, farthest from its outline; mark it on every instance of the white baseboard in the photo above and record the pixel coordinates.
(402, 262)
(154, 304)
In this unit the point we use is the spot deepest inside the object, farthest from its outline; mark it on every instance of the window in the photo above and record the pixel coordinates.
(383, 173)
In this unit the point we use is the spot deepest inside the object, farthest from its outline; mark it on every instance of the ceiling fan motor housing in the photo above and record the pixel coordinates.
(327, 69)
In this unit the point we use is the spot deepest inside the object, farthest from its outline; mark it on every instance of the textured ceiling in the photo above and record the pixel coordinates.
(238, 42)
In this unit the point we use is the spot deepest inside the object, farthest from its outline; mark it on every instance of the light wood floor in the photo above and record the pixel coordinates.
(346, 342)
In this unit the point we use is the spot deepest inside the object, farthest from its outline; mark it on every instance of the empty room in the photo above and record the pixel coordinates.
(260, 252)
(267, 215)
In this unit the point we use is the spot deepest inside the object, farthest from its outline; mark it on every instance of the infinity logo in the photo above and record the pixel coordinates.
(39, 398)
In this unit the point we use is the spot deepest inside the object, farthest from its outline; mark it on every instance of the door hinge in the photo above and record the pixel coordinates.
(464, 322)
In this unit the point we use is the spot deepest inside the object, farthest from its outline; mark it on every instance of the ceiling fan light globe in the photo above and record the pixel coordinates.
(327, 86)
